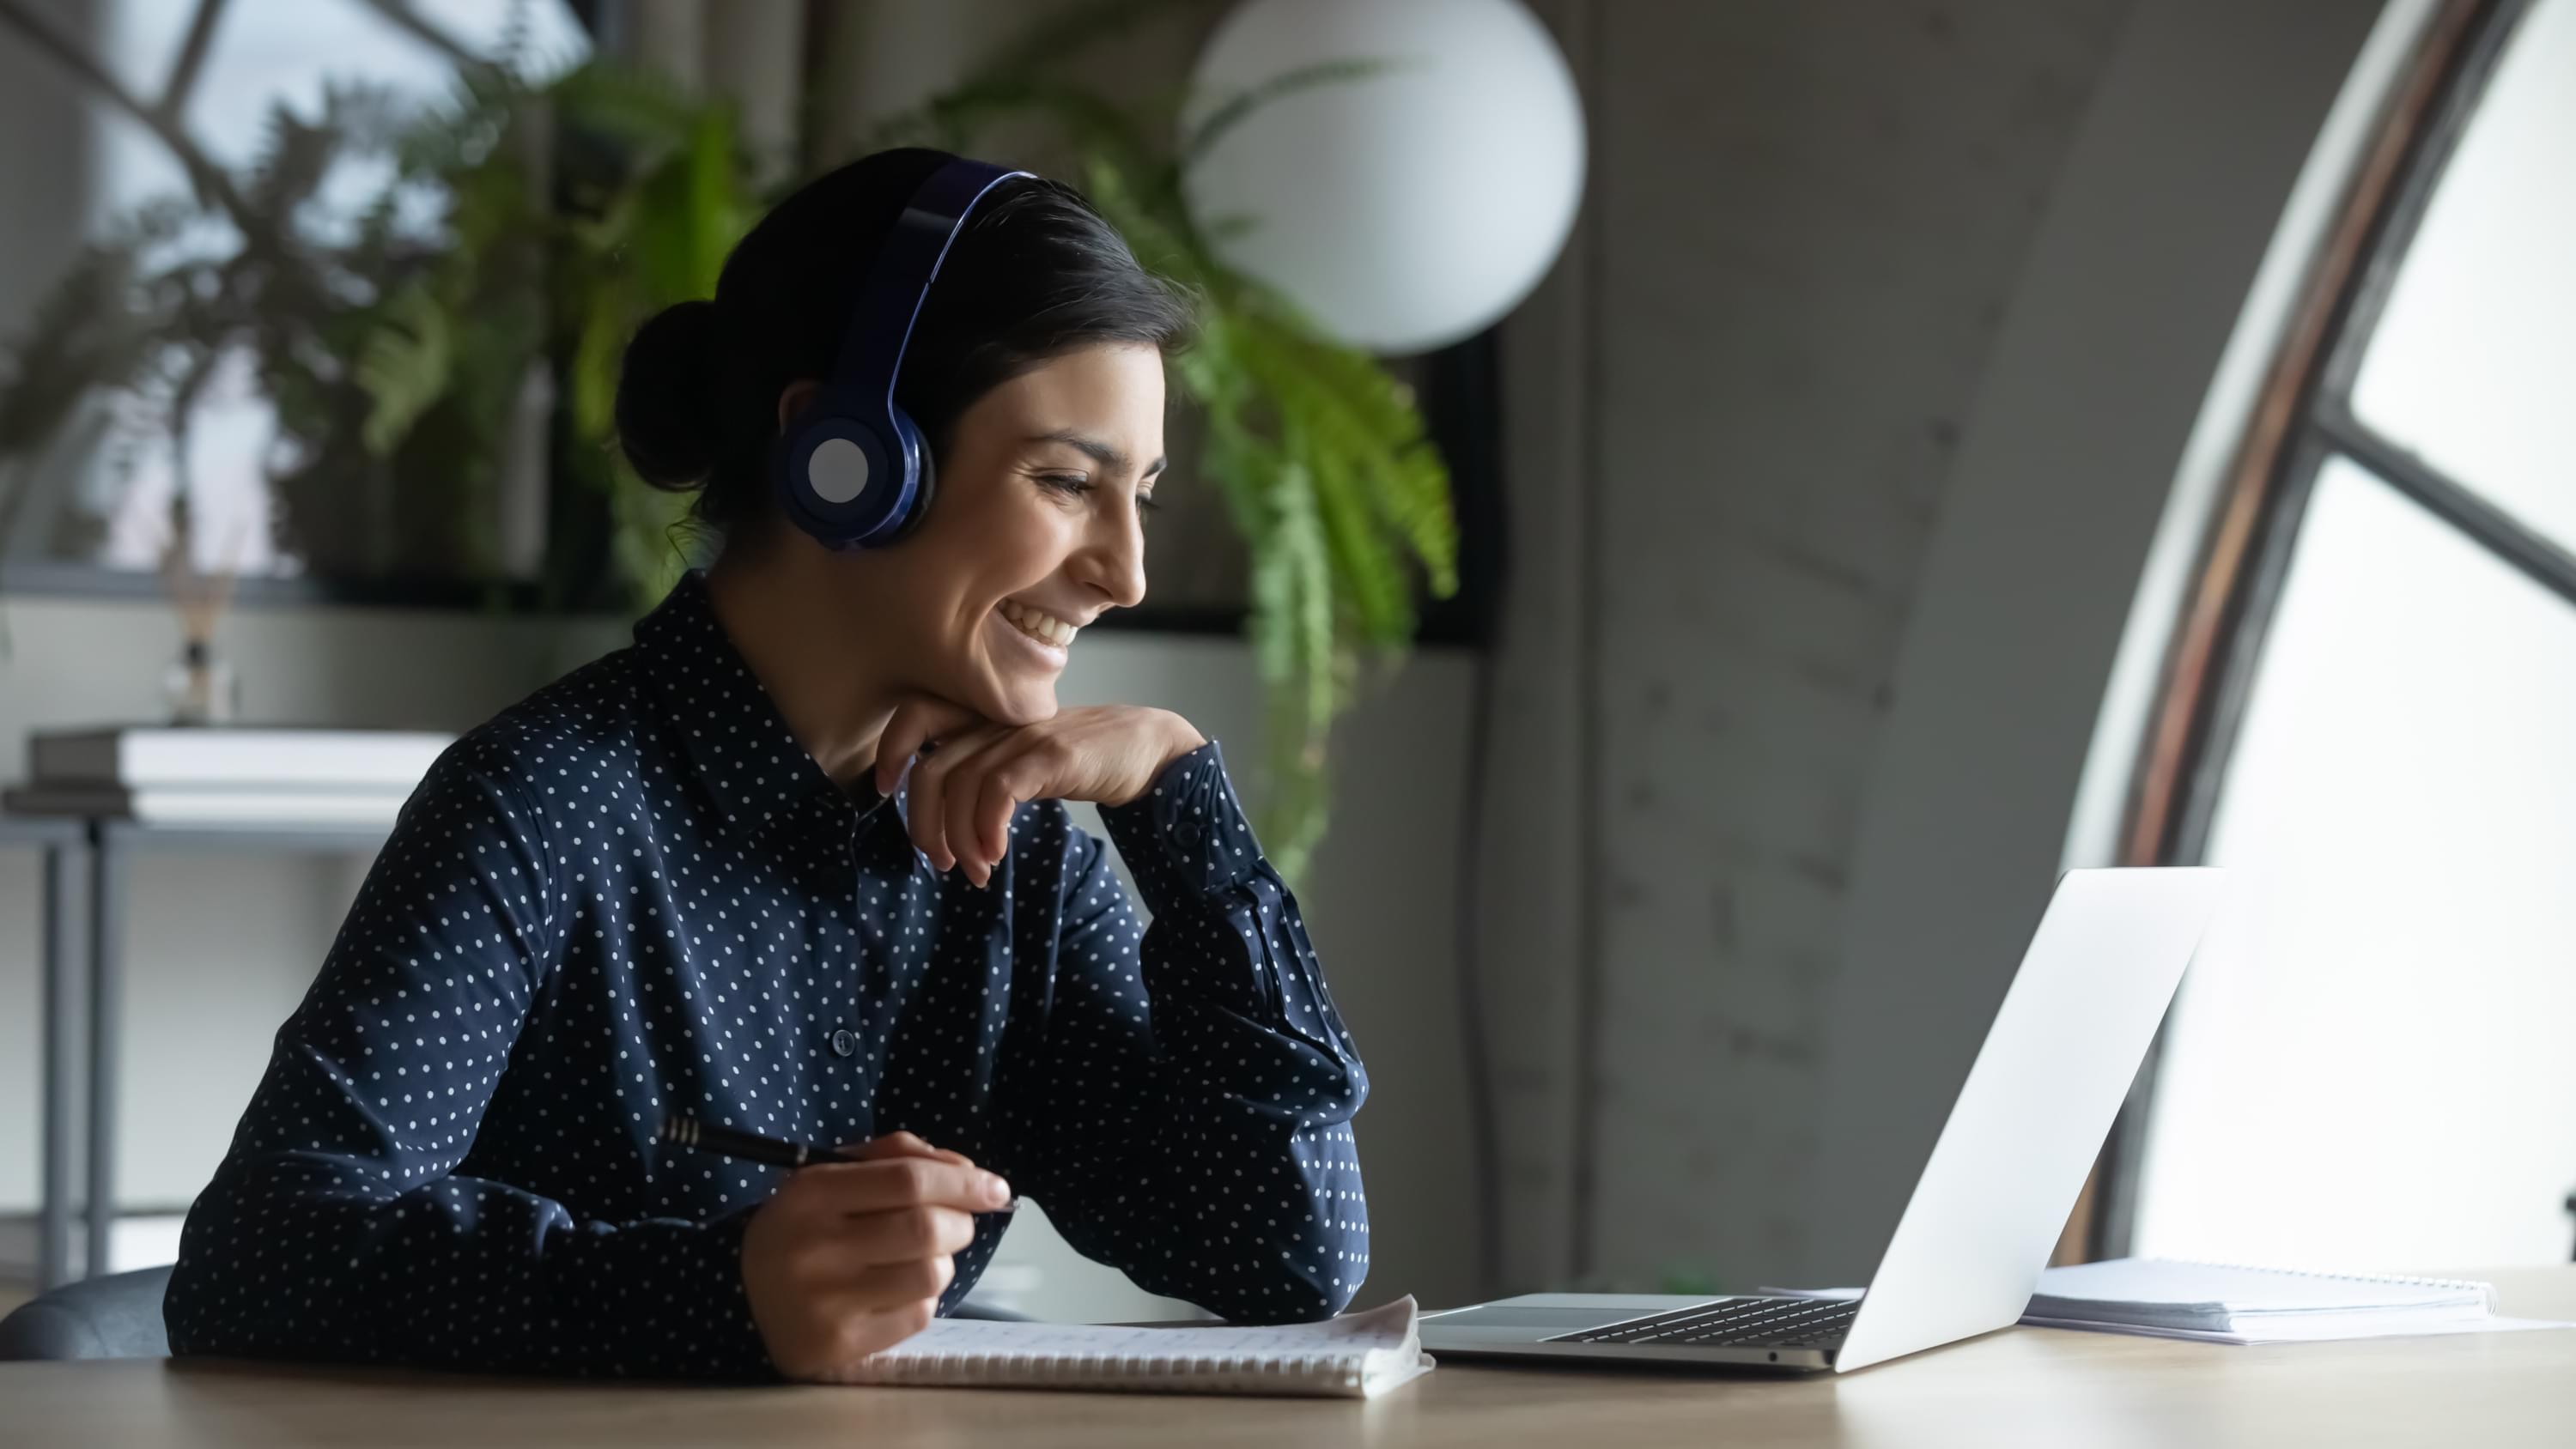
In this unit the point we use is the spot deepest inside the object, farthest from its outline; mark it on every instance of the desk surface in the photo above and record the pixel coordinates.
(2022, 1386)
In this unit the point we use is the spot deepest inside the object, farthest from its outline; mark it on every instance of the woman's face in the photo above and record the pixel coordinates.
(1037, 530)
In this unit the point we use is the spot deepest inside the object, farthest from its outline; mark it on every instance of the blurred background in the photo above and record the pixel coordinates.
(1692, 514)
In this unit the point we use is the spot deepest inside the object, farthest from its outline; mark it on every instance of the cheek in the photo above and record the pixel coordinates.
(1008, 545)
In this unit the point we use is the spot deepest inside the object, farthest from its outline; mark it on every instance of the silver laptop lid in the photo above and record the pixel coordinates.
(2037, 1103)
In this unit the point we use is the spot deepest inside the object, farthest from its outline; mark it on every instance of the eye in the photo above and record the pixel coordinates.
(1145, 501)
(1071, 485)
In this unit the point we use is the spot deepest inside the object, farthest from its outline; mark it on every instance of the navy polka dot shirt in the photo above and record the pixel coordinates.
(635, 894)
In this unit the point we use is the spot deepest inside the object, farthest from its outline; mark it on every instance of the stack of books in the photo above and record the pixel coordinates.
(227, 777)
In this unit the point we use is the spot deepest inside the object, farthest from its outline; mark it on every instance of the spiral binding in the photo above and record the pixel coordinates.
(1142, 1372)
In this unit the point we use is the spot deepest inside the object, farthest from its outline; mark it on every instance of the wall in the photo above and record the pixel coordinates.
(1800, 238)
(1791, 353)
(2131, 327)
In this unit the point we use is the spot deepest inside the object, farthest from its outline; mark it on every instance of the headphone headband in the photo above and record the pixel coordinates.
(853, 470)
(899, 282)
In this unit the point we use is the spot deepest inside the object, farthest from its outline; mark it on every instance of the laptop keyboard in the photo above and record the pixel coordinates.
(1733, 1323)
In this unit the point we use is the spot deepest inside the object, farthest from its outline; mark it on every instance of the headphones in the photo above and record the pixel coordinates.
(852, 469)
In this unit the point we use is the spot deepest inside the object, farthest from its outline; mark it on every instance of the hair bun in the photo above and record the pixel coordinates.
(666, 397)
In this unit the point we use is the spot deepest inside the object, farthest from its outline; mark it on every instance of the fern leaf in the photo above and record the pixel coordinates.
(599, 350)
(1346, 397)
(405, 367)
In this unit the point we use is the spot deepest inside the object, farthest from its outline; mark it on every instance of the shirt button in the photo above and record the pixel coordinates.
(1186, 833)
(844, 1042)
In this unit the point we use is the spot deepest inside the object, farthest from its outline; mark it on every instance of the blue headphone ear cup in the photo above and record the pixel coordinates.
(838, 480)
(925, 477)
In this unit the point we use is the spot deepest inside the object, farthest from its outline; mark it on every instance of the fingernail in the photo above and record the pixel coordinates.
(996, 1191)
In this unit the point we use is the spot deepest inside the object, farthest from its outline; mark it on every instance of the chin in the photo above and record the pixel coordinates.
(1010, 678)
(1018, 704)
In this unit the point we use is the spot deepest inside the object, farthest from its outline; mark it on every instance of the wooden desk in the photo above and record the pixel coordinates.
(2023, 1386)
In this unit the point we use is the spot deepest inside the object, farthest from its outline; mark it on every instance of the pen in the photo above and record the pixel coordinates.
(683, 1130)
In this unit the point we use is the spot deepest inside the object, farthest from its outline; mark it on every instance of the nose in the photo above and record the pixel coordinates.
(1112, 560)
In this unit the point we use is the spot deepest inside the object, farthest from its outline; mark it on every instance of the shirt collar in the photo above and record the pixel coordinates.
(748, 762)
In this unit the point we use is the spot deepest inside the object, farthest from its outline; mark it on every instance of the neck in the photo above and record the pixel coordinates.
(833, 694)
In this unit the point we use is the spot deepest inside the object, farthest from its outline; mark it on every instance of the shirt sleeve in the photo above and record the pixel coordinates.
(1193, 1123)
(340, 1226)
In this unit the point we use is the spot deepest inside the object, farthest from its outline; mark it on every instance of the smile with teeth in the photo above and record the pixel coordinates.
(1038, 624)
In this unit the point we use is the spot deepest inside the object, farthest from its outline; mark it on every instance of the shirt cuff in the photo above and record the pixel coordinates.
(1188, 833)
(713, 1269)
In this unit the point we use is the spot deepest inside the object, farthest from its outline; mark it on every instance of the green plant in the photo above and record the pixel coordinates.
(577, 210)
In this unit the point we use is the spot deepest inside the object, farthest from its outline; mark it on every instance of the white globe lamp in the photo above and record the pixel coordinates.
(1407, 208)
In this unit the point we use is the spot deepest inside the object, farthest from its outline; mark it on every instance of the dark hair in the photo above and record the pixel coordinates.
(1035, 273)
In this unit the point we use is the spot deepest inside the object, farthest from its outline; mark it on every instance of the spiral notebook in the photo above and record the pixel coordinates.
(1355, 1356)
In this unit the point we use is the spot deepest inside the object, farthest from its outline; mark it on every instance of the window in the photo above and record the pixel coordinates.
(99, 500)
(2373, 1061)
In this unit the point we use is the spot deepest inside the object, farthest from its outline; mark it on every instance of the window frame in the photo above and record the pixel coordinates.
(2304, 416)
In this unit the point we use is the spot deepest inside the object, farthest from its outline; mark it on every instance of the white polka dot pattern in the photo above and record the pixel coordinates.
(633, 894)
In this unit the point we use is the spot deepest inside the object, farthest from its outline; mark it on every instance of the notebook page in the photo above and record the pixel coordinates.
(1357, 1354)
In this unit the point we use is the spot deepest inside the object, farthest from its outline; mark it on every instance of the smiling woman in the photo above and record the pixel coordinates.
(798, 863)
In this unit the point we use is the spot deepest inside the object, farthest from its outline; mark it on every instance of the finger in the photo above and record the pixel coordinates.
(916, 722)
(921, 790)
(900, 1144)
(869, 1331)
(925, 809)
(890, 1285)
(905, 1235)
(990, 827)
(836, 1249)
(965, 795)
(852, 1188)
(1007, 784)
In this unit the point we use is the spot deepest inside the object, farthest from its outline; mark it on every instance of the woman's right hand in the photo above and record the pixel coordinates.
(851, 1257)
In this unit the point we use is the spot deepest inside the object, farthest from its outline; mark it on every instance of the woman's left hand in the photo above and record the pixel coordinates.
(965, 788)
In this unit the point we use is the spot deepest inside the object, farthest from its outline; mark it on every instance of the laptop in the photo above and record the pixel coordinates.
(1993, 1197)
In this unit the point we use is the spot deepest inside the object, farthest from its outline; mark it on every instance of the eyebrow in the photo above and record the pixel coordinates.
(1107, 455)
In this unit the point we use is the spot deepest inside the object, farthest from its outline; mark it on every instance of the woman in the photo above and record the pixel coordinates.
(798, 862)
